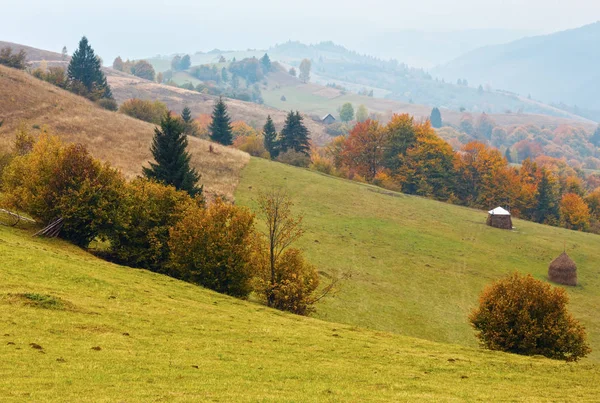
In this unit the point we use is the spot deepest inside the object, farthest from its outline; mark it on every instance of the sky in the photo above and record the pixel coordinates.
(136, 29)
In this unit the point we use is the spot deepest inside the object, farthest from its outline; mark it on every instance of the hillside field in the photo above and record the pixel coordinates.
(75, 328)
(418, 266)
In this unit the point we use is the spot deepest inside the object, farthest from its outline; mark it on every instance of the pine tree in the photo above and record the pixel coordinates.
(270, 137)
(220, 127)
(172, 160)
(436, 118)
(186, 115)
(64, 53)
(547, 209)
(265, 61)
(595, 139)
(294, 135)
(508, 156)
(85, 70)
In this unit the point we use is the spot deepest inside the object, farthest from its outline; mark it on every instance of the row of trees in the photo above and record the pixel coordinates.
(408, 156)
(161, 222)
(140, 68)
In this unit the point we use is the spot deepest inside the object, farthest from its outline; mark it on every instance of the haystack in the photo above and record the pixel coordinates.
(563, 270)
(499, 218)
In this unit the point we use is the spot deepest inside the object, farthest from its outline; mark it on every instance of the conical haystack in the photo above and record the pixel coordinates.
(563, 270)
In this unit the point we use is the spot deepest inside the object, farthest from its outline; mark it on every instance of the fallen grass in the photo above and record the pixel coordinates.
(144, 337)
(418, 266)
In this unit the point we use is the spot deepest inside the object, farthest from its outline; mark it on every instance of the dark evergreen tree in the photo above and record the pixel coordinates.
(508, 156)
(294, 135)
(85, 73)
(595, 139)
(186, 62)
(547, 209)
(220, 127)
(265, 62)
(186, 115)
(224, 75)
(270, 137)
(436, 118)
(172, 165)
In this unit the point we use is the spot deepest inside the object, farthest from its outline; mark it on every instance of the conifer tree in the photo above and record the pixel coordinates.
(595, 139)
(172, 165)
(547, 210)
(436, 118)
(508, 156)
(186, 115)
(85, 70)
(220, 127)
(294, 135)
(265, 61)
(270, 137)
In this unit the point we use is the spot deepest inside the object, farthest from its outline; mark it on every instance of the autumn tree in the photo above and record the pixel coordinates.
(294, 135)
(522, 315)
(466, 124)
(56, 181)
(400, 136)
(85, 74)
(147, 210)
(347, 112)
(362, 113)
(270, 137)
(305, 67)
(485, 126)
(147, 111)
(169, 149)
(144, 70)
(118, 64)
(436, 118)
(285, 280)
(574, 213)
(363, 151)
(220, 127)
(14, 60)
(213, 247)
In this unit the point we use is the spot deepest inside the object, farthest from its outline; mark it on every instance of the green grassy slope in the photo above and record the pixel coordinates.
(418, 265)
(110, 333)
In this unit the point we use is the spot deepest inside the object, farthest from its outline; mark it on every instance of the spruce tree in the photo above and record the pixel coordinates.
(294, 135)
(508, 156)
(186, 115)
(85, 70)
(270, 137)
(547, 209)
(220, 127)
(265, 61)
(172, 160)
(436, 118)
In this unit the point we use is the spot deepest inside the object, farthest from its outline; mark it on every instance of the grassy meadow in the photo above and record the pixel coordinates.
(418, 266)
(75, 328)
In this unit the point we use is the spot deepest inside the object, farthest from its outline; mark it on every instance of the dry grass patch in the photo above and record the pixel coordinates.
(114, 137)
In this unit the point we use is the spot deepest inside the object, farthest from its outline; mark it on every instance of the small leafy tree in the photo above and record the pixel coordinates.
(118, 64)
(213, 247)
(285, 280)
(436, 118)
(270, 137)
(143, 69)
(294, 135)
(172, 165)
(220, 127)
(522, 315)
(305, 67)
(362, 113)
(574, 212)
(347, 112)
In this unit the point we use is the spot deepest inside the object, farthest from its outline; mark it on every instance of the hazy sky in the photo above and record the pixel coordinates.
(143, 28)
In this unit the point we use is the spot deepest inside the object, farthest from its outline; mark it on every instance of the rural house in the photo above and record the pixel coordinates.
(328, 119)
(499, 218)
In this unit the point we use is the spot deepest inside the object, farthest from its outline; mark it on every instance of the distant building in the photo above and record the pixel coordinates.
(328, 119)
(499, 218)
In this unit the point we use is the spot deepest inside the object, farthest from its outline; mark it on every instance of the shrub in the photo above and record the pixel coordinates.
(64, 181)
(522, 315)
(14, 60)
(147, 211)
(109, 104)
(294, 283)
(294, 158)
(253, 145)
(213, 247)
(322, 164)
(147, 111)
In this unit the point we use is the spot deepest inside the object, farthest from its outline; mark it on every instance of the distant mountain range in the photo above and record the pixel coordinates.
(560, 68)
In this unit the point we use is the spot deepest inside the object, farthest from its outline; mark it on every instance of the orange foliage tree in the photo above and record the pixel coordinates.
(574, 213)
(363, 150)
